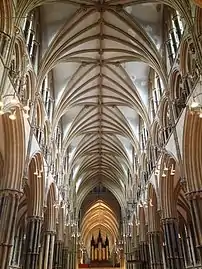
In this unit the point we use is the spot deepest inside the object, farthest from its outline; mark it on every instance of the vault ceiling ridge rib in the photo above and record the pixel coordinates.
(71, 92)
(151, 59)
(116, 123)
(133, 55)
(85, 144)
(81, 130)
(60, 37)
(127, 125)
(71, 84)
(81, 151)
(94, 210)
(81, 118)
(55, 59)
(87, 177)
(121, 130)
(112, 151)
(129, 97)
(124, 81)
(130, 21)
(91, 218)
(74, 96)
(123, 126)
(131, 2)
(105, 162)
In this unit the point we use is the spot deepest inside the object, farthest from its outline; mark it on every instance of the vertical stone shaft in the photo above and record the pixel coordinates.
(155, 248)
(144, 255)
(58, 249)
(47, 251)
(172, 244)
(9, 201)
(195, 201)
(32, 243)
(65, 258)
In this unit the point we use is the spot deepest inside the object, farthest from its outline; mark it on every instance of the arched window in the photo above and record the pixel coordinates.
(16, 65)
(143, 134)
(167, 124)
(175, 29)
(4, 41)
(46, 95)
(189, 64)
(30, 29)
(156, 91)
(157, 141)
(180, 93)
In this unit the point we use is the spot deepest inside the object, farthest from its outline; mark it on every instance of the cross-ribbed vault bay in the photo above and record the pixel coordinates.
(101, 58)
(100, 134)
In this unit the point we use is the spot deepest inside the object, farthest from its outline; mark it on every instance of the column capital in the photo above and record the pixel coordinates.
(154, 233)
(33, 218)
(50, 232)
(193, 195)
(169, 220)
(11, 192)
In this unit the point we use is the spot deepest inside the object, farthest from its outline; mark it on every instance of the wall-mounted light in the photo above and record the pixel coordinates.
(172, 172)
(165, 167)
(150, 202)
(164, 174)
(14, 101)
(145, 204)
(12, 116)
(195, 105)
(38, 173)
(140, 204)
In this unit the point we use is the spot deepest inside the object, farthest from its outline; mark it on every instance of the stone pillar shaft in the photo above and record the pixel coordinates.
(57, 260)
(9, 201)
(144, 255)
(65, 258)
(195, 201)
(47, 251)
(155, 250)
(32, 242)
(173, 246)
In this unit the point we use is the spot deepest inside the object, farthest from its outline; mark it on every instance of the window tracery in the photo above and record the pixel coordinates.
(31, 31)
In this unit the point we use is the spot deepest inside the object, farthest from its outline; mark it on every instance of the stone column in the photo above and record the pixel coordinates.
(65, 258)
(144, 255)
(173, 247)
(58, 249)
(138, 263)
(47, 250)
(9, 201)
(32, 243)
(155, 247)
(195, 201)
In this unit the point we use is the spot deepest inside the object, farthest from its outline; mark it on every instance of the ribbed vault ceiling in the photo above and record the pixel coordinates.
(99, 217)
(101, 55)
